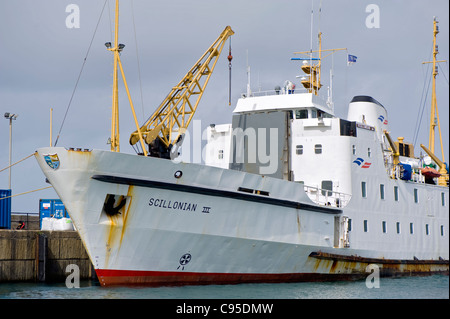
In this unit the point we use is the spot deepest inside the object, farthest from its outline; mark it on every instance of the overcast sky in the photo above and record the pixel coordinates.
(40, 59)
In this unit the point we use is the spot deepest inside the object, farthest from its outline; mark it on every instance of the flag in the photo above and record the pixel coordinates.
(351, 59)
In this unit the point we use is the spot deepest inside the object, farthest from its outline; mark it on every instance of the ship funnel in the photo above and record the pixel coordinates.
(366, 110)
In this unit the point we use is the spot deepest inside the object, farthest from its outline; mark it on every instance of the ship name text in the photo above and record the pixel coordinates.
(178, 205)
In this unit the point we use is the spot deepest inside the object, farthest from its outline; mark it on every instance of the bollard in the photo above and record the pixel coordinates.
(41, 256)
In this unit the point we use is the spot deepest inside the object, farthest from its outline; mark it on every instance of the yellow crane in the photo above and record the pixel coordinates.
(167, 125)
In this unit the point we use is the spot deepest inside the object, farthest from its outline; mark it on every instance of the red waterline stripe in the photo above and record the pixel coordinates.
(111, 277)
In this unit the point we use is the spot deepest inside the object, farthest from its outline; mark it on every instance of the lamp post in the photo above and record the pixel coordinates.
(10, 117)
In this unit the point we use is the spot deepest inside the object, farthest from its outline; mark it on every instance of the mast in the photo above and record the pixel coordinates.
(115, 135)
(434, 117)
(314, 70)
(116, 49)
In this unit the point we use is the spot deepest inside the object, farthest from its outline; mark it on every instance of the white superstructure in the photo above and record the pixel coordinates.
(348, 164)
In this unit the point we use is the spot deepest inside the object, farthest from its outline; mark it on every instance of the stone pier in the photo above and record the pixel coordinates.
(36, 255)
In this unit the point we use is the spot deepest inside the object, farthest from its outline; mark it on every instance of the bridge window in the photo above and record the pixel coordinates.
(347, 128)
(301, 114)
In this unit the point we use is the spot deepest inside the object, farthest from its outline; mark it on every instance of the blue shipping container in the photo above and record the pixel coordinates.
(51, 208)
(5, 208)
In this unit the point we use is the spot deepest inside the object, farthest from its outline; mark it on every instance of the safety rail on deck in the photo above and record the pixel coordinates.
(326, 197)
(282, 91)
(395, 172)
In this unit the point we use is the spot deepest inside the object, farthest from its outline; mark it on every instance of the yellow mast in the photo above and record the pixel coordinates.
(116, 49)
(434, 118)
(115, 135)
(313, 84)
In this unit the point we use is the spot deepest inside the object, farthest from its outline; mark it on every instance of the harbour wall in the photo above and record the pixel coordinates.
(42, 256)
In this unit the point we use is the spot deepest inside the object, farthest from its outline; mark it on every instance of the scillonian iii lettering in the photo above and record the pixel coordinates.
(169, 204)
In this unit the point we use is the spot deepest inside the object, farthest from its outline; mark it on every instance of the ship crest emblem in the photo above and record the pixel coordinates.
(52, 160)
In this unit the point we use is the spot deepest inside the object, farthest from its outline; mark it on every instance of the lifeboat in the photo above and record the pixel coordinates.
(430, 172)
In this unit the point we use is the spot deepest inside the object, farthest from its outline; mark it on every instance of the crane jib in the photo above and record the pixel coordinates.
(174, 114)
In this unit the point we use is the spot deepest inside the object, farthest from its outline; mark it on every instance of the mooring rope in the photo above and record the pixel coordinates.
(35, 190)
(16, 162)
(2, 198)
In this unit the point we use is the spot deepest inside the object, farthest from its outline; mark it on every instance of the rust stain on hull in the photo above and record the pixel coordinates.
(334, 264)
(118, 224)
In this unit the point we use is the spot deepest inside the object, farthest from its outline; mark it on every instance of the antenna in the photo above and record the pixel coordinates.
(249, 91)
(311, 42)
(330, 89)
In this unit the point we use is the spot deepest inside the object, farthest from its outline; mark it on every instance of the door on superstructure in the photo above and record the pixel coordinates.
(341, 232)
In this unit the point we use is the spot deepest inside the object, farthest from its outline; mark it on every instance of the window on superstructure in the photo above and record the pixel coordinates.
(299, 149)
(354, 149)
(363, 189)
(411, 228)
(318, 148)
(398, 227)
(327, 188)
(442, 230)
(366, 228)
(396, 193)
(382, 191)
(369, 152)
(416, 195)
(220, 154)
(301, 114)
(443, 199)
(313, 114)
(427, 229)
(383, 226)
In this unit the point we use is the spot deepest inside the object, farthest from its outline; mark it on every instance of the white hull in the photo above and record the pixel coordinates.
(200, 228)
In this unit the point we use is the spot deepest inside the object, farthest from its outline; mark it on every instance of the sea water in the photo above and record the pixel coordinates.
(428, 287)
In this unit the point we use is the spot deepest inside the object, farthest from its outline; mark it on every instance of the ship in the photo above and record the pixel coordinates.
(288, 191)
